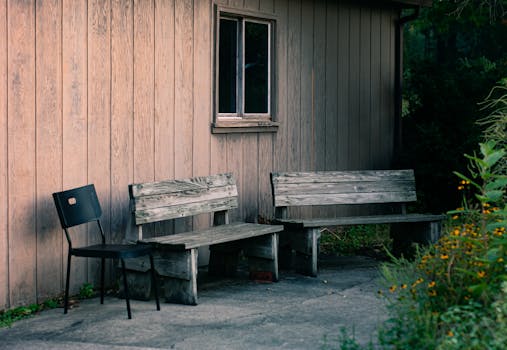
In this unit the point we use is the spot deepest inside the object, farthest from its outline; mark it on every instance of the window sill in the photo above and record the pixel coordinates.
(243, 126)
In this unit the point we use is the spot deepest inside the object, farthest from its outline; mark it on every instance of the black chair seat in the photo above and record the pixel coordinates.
(79, 206)
(111, 251)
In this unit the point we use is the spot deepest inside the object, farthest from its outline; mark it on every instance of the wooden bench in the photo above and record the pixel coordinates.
(176, 254)
(375, 187)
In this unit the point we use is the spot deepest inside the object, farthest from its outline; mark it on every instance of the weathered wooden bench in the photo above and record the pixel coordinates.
(175, 255)
(396, 187)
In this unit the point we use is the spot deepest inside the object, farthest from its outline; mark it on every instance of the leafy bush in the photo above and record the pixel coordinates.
(453, 296)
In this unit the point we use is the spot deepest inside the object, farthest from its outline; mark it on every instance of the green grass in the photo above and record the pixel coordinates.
(371, 240)
(8, 317)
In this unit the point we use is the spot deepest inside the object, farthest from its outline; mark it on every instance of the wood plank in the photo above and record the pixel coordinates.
(354, 154)
(159, 214)
(49, 146)
(99, 122)
(184, 103)
(251, 5)
(181, 199)
(307, 86)
(331, 87)
(164, 96)
(264, 199)
(365, 127)
(294, 86)
(343, 91)
(201, 149)
(167, 263)
(390, 134)
(183, 291)
(345, 187)
(181, 185)
(267, 6)
(387, 81)
(344, 198)
(280, 140)
(215, 235)
(164, 90)
(4, 217)
(363, 220)
(250, 181)
(264, 247)
(144, 86)
(319, 94)
(235, 166)
(122, 111)
(21, 152)
(183, 108)
(74, 106)
(377, 137)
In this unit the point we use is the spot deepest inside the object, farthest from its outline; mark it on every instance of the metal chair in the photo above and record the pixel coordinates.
(79, 206)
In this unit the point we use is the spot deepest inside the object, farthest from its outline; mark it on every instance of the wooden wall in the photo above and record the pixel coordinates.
(112, 92)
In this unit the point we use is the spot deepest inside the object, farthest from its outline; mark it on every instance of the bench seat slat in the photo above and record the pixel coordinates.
(360, 220)
(214, 235)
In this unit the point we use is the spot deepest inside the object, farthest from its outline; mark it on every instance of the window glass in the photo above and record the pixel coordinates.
(227, 70)
(256, 67)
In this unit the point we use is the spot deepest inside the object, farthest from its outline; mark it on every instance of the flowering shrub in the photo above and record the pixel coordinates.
(454, 294)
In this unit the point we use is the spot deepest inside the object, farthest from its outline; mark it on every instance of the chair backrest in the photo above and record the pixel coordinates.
(171, 199)
(343, 187)
(77, 206)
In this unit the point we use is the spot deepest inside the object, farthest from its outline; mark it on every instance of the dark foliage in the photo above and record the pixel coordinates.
(450, 65)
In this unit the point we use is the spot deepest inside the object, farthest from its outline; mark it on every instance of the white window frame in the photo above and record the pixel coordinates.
(241, 121)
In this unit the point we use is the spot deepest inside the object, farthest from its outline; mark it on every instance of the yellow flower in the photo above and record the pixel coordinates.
(432, 293)
(392, 289)
(500, 260)
(403, 286)
(456, 232)
(431, 284)
(455, 217)
(481, 274)
(450, 334)
(444, 256)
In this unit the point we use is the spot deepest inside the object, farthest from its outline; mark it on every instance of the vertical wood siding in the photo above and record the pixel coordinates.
(112, 92)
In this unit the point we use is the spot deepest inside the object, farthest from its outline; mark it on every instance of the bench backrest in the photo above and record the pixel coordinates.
(342, 187)
(171, 199)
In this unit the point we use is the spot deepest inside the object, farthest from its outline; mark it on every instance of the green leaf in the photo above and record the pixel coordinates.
(499, 182)
(493, 196)
(493, 158)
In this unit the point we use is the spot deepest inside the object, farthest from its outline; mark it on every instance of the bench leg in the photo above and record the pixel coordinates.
(404, 234)
(223, 259)
(306, 245)
(262, 253)
(180, 284)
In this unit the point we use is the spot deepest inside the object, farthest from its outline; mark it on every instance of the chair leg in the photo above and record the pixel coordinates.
(102, 273)
(154, 282)
(125, 287)
(66, 298)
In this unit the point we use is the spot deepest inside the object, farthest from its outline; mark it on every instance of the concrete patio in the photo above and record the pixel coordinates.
(298, 312)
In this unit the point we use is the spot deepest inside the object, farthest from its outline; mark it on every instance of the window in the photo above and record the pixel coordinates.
(244, 70)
